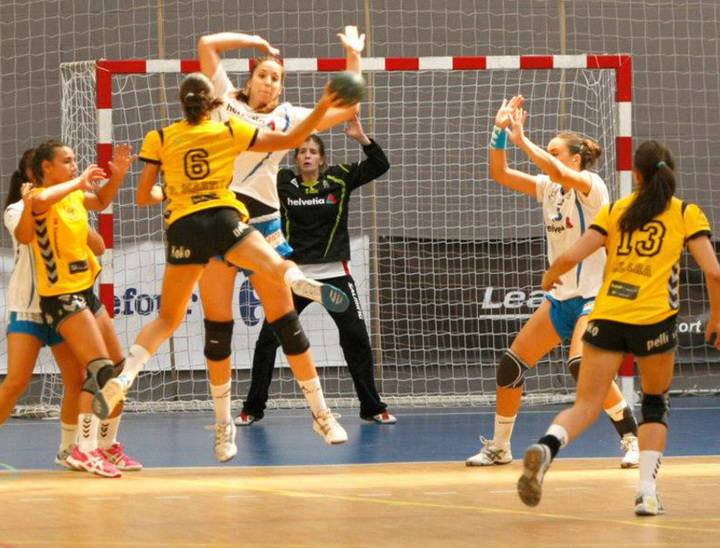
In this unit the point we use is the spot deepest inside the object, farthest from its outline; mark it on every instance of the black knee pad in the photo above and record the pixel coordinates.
(574, 367)
(218, 340)
(118, 368)
(99, 372)
(290, 334)
(655, 408)
(511, 371)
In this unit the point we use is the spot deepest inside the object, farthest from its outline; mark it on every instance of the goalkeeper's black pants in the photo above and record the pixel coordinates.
(355, 344)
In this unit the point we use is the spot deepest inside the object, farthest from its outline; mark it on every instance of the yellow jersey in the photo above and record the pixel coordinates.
(64, 262)
(197, 163)
(641, 284)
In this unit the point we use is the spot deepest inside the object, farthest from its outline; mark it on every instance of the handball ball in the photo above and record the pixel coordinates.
(350, 87)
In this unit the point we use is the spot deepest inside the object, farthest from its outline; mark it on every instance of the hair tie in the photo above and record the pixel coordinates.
(660, 164)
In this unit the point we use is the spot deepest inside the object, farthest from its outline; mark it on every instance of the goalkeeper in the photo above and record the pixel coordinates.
(314, 206)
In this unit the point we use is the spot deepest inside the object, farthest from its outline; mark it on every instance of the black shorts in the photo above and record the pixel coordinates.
(640, 340)
(60, 307)
(196, 238)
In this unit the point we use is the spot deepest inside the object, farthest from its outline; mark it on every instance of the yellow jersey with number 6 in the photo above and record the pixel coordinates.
(641, 285)
(197, 163)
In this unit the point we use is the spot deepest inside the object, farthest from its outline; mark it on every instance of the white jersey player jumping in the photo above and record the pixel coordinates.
(255, 183)
(571, 195)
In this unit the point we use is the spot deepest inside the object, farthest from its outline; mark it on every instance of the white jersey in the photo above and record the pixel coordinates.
(256, 172)
(22, 292)
(567, 215)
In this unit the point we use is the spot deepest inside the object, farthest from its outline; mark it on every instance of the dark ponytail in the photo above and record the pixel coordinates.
(657, 170)
(19, 177)
(588, 149)
(196, 97)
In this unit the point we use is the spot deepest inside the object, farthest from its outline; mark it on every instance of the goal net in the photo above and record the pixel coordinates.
(447, 261)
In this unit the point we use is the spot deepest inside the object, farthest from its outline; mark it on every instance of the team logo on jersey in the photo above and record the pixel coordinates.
(331, 199)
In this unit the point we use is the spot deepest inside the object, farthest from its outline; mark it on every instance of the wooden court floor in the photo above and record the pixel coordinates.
(586, 502)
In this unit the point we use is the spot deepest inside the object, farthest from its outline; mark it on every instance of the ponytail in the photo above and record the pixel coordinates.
(196, 97)
(588, 149)
(657, 169)
(19, 177)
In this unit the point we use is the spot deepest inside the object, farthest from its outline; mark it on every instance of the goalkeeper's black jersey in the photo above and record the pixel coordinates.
(315, 213)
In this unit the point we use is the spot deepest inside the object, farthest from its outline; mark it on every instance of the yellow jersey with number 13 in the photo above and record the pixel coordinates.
(641, 285)
(197, 163)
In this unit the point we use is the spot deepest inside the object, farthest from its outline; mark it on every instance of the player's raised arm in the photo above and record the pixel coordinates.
(499, 170)
(210, 46)
(547, 160)
(354, 44)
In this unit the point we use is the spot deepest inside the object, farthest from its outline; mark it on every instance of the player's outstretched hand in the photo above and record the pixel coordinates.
(713, 328)
(26, 193)
(264, 46)
(352, 41)
(92, 175)
(504, 113)
(550, 281)
(122, 158)
(355, 130)
(516, 128)
(330, 99)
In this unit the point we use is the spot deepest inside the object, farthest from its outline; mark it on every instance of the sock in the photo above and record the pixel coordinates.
(135, 361)
(221, 400)
(503, 429)
(649, 466)
(86, 438)
(292, 274)
(67, 435)
(314, 395)
(107, 433)
(555, 438)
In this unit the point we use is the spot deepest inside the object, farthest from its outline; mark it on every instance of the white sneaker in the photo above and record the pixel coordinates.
(114, 391)
(225, 447)
(381, 418)
(647, 505)
(631, 458)
(535, 464)
(327, 426)
(329, 296)
(490, 454)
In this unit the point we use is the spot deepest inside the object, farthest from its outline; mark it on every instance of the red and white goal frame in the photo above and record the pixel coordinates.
(620, 64)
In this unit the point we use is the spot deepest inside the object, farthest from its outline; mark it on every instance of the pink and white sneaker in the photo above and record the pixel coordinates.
(93, 462)
(116, 456)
